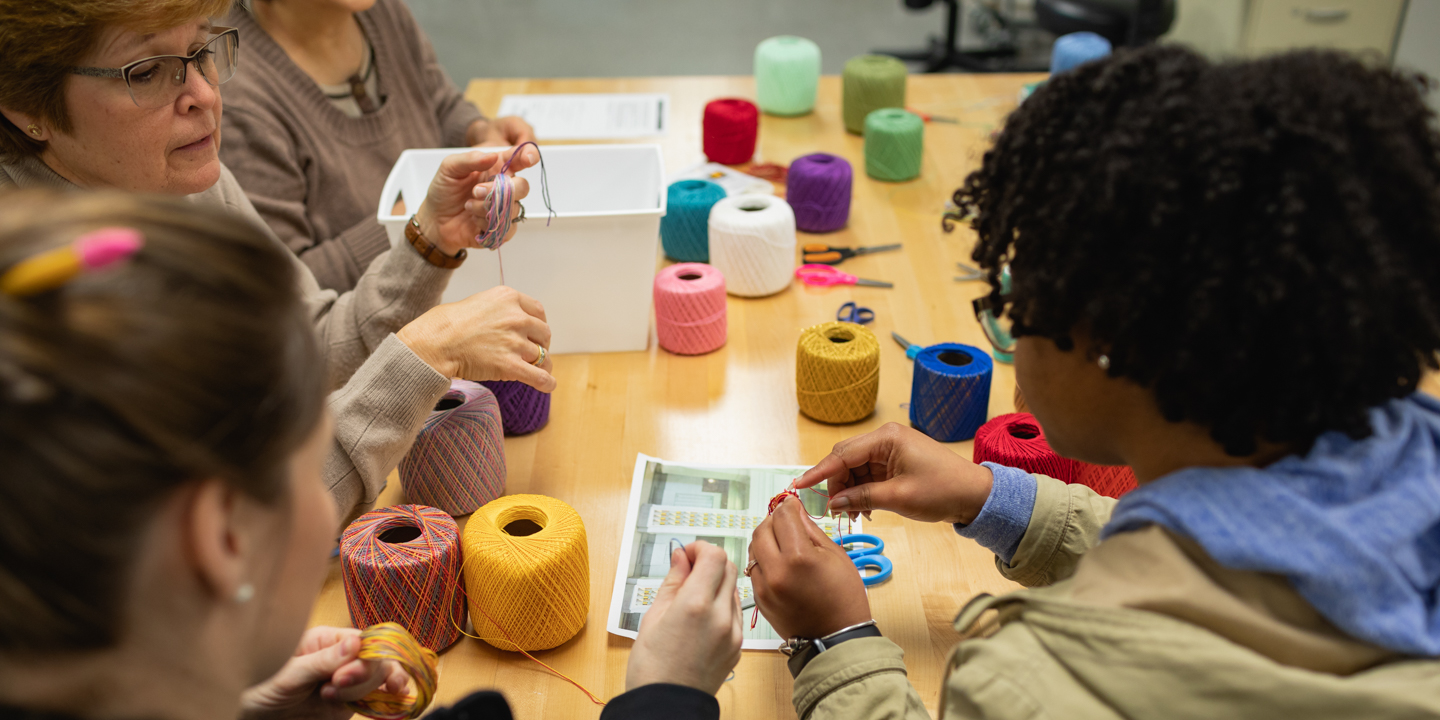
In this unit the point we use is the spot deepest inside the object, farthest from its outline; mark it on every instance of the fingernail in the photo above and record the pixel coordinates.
(840, 503)
(327, 693)
(469, 204)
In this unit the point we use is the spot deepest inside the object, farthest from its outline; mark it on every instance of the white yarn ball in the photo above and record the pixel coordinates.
(752, 241)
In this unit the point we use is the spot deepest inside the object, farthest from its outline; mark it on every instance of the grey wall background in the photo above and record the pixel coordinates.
(629, 38)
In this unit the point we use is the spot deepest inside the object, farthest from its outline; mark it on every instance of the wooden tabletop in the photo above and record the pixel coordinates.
(737, 405)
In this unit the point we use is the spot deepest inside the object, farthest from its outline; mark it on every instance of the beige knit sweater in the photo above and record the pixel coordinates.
(314, 174)
(382, 391)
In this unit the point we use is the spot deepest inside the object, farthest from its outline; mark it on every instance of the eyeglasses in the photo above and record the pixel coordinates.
(996, 324)
(156, 81)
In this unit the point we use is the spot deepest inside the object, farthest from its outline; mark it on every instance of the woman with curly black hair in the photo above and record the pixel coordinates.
(1226, 276)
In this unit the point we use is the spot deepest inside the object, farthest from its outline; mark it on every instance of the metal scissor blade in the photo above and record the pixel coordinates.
(874, 283)
(903, 342)
(877, 248)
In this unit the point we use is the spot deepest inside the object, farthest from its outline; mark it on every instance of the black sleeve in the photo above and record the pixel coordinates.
(483, 705)
(662, 701)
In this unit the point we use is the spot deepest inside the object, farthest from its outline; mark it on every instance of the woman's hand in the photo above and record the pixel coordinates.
(509, 130)
(323, 675)
(804, 582)
(901, 470)
(691, 634)
(453, 213)
(493, 335)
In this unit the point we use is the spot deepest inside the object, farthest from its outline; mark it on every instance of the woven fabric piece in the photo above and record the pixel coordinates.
(837, 372)
(401, 564)
(950, 391)
(458, 462)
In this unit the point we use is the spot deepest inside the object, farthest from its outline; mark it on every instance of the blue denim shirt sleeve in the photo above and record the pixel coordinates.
(1001, 523)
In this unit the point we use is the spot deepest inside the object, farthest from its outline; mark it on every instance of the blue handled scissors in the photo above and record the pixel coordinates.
(852, 313)
(864, 557)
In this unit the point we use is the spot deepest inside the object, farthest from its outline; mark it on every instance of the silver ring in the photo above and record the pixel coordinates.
(540, 360)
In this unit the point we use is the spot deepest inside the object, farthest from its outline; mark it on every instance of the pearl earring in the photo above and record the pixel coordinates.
(244, 593)
(1104, 362)
(34, 129)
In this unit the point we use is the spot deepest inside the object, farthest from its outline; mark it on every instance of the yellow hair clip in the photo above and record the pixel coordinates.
(53, 268)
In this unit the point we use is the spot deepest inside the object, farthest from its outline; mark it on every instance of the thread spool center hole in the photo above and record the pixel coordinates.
(448, 403)
(840, 337)
(753, 206)
(1024, 432)
(690, 276)
(522, 528)
(954, 359)
(398, 535)
(822, 159)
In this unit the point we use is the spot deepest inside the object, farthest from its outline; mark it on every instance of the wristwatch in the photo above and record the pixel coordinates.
(429, 250)
(802, 650)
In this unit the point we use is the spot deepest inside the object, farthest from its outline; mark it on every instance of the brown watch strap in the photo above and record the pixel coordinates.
(429, 250)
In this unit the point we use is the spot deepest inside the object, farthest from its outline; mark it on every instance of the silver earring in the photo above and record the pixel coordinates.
(1104, 362)
(244, 593)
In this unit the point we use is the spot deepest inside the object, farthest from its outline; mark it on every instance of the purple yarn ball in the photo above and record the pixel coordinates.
(523, 409)
(818, 188)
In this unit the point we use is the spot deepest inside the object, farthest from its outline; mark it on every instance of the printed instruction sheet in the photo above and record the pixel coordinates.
(721, 505)
(591, 116)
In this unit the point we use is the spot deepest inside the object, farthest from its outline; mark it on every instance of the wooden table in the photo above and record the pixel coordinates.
(737, 405)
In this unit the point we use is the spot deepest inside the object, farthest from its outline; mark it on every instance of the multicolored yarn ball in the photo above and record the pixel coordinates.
(837, 372)
(894, 144)
(871, 82)
(1108, 480)
(1017, 440)
(818, 188)
(787, 73)
(390, 641)
(950, 391)
(731, 127)
(690, 308)
(685, 229)
(401, 564)
(457, 463)
(523, 409)
(752, 241)
(527, 572)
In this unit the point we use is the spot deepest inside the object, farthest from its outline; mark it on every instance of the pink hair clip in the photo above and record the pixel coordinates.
(90, 252)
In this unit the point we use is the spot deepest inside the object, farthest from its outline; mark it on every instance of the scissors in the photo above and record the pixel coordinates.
(864, 557)
(825, 275)
(831, 255)
(911, 349)
(852, 313)
(970, 273)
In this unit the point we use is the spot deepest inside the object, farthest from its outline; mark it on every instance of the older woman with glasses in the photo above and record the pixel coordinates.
(100, 94)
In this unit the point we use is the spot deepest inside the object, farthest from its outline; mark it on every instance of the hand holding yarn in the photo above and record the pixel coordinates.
(325, 673)
(691, 635)
(456, 205)
(804, 582)
(493, 335)
(901, 470)
(510, 130)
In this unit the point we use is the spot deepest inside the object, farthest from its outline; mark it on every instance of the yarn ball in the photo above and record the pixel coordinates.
(894, 144)
(1018, 441)
(871, 82)
(401, 564)
(950, 391)
(685, 229)
(752, 242)
(457, 463)
(527, 572)
(731, 126)
(1075, 49)
(787, 73)
(690, 308)
(837, 372)
(818, 189)
(391, 641)
(523, 409)
(1108, 480)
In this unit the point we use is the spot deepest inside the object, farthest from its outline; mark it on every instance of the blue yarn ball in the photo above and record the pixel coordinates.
(1075, 49)
(685, 229)
(950, 393)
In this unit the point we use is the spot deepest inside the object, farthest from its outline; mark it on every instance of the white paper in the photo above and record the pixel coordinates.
(688, 502)
(591, 116)
(732, 181)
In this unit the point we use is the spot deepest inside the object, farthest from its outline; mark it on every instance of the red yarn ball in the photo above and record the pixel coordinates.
(1016, 440)
(731, 127)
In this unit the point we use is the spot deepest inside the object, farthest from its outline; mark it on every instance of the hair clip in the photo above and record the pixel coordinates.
(88, 253)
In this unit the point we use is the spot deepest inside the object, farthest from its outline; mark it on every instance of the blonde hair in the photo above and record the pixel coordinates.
(41, 39)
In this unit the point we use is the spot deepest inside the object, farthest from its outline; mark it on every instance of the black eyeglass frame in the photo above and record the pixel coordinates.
(123, 72)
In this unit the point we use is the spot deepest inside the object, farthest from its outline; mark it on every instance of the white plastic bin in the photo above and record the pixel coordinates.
(592, 267)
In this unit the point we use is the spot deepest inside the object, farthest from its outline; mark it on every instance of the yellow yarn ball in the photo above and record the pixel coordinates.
(528, 587)
(837, 372)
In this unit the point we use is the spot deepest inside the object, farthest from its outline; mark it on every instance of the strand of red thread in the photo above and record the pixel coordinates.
(775, 503)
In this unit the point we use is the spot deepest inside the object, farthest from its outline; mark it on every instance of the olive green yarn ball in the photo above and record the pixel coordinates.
(871, 82)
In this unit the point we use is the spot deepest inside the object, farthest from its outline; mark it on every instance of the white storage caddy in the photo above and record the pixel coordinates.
(594, 266)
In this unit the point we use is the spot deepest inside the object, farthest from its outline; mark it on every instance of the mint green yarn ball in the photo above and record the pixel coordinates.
(894, 144)
(787, 72)
(871, 82)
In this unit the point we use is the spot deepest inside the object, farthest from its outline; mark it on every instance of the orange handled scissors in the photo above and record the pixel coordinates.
(831, 255)
(824, 275)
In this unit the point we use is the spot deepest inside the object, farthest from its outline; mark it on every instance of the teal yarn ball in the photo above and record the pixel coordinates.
(787, 72)
(685, 229)
(894, 144)
(871, 82)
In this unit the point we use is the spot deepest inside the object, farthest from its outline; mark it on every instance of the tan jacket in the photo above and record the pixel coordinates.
(382, 391)
(1144, 625)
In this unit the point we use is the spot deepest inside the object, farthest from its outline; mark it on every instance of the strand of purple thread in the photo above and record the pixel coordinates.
(818, 188)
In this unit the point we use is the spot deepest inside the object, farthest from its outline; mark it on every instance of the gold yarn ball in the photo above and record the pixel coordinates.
(527, 572)
(837, 372)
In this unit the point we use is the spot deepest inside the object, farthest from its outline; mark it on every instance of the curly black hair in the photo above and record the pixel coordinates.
(1257, 242)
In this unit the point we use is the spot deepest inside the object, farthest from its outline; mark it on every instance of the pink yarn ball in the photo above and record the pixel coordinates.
(690, 308)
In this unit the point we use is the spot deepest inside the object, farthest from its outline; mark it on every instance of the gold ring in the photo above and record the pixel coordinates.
(750, 566)
(540, 360)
